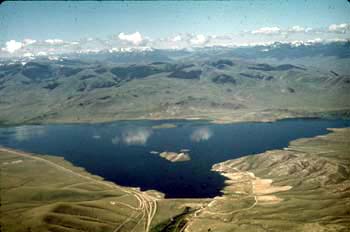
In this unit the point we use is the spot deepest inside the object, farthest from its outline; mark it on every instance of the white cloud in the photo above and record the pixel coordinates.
(316, 40)
(198, 40)
(337, 40)
(53, 58)
(267, 30)
(12, 46)
(201, 134)
(298, 28)
(297, 43)
(134, 38)
(176, 38)
(297, 34)
(339, 28)
(28, 54)
(42, 53)
(54, 41)
(29, 41)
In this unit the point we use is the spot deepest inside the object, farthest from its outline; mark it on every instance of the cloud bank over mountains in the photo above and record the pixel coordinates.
(339, 28)
(128, 42)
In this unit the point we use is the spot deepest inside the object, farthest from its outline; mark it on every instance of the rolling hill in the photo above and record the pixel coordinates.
(220, 84)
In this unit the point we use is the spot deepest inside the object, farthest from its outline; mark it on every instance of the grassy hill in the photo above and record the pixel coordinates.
(304, 187)
(45, 193)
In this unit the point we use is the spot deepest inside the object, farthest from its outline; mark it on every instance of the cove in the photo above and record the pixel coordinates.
(120, 151)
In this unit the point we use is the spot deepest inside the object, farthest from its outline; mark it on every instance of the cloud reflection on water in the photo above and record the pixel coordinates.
(201, 134)
(135, 136)
(23, 133)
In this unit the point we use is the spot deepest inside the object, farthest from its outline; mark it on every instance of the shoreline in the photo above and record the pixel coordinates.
(41, 156)
(174, 119)
(257, 182)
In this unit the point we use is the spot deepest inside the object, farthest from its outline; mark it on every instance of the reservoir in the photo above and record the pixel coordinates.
(125, 152)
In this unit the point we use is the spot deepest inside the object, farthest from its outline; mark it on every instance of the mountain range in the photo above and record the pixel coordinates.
(256, 83)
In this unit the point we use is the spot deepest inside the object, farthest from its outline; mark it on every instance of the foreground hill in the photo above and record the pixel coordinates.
(45, 193)
(219, 85)
(304, 187)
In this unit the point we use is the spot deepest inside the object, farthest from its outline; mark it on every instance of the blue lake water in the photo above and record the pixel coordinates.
(120, 151)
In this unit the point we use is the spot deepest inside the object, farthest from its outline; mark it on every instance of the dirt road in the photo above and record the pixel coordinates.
(147, 205)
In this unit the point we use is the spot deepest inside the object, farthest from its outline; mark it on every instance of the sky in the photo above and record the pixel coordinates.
(200, 22)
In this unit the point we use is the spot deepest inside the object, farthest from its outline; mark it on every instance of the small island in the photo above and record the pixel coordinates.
(173, 156)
